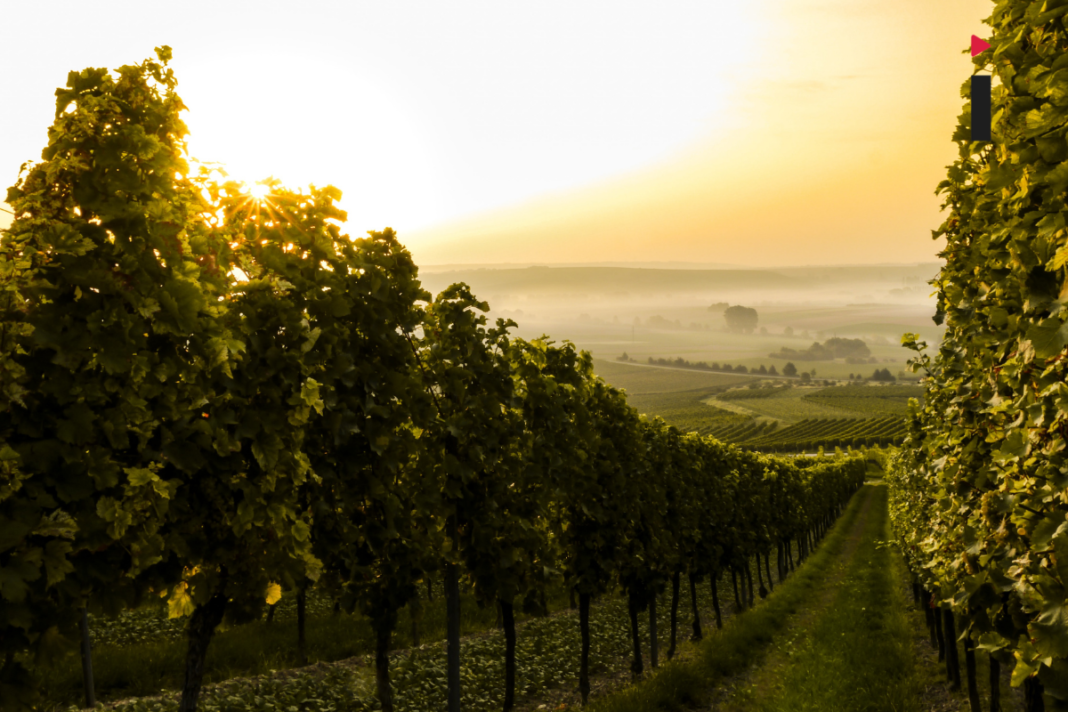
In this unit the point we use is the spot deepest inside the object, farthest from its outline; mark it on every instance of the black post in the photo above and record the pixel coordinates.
(937, 611)
(636, 667)
(929, 613)
(383, 629)
(653, 642)
(452, 629)
(969, 666)
(415, 611)
(87, 662)
(202, 624)
(712, 580)
(509, 655)
(952, 662)
(734, 583)
(760, 578)
(1033, 701)
(302, 649)
(696, 614)
(995, 684)
(675, 583)
(584, 629)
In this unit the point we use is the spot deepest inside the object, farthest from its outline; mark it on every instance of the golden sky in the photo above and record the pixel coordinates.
(765, 132)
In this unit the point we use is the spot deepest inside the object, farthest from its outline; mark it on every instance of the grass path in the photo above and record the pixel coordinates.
(851, 647)
(743, 643)
(834, 636)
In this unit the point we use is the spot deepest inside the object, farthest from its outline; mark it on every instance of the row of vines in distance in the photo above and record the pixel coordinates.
(811, 434)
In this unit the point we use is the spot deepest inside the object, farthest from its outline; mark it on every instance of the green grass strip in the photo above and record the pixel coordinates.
(680, 684)
(857, 653)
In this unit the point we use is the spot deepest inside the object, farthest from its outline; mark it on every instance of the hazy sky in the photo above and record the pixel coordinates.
(758, 132)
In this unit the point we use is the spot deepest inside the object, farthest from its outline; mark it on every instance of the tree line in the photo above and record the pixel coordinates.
(215, 397)
(852, 350)
(680, 362)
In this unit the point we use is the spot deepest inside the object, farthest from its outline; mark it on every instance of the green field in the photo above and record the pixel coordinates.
(638, 379)
(675, 395)
(778, 417)
(812, 434)
(791, 405)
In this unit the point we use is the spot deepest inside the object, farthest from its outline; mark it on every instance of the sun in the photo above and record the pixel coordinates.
(259, 191)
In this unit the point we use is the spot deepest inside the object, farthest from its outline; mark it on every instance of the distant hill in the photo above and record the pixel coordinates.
(571, 281)
(545, 281)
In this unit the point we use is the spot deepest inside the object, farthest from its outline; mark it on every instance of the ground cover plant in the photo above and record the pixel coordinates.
(127, 665)
(140, 653)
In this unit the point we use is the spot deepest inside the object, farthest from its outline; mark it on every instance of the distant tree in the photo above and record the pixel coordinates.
(848, 348)
(763, 370)
(715, 366)
(652, 361)
(789, 369)
(742, 369)
(788, 331)
(741, 319)
(805, 377)
(727, 368)
(851, 377)
(624, 357)
(772, 371)
(883, 374)
(718, 307)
